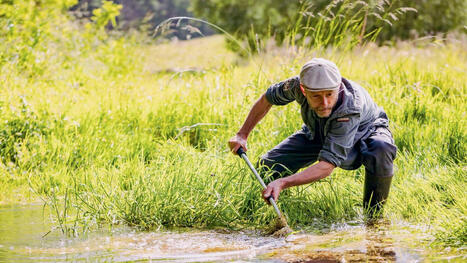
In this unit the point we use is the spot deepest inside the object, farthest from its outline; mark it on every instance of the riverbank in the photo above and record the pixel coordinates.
(136, 134)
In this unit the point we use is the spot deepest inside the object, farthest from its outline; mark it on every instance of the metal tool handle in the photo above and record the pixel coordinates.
(242, 154)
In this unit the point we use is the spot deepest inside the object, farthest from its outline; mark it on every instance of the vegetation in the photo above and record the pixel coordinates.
(431, 18)
(145, 15)
(113, 129)
(398, 19)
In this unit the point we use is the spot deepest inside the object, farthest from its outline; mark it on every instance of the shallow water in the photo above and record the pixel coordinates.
(25, 237)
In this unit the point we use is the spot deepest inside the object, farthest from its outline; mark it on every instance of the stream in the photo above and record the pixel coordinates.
(27, 235)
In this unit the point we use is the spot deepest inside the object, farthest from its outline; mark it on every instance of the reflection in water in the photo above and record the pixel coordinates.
(378, 241)
(380, 245)
(22, 229)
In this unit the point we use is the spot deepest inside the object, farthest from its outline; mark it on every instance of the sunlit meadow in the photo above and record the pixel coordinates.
(120, 130)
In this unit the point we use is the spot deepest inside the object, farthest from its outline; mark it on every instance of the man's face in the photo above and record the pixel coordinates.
(322, 102)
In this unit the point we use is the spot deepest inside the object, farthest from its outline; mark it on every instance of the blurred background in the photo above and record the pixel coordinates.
(400, 19)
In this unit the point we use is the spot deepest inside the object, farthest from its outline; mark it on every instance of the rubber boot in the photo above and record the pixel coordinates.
(375, 193)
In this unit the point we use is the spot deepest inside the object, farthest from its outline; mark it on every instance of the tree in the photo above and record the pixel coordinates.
(386, 19)
(143, 14)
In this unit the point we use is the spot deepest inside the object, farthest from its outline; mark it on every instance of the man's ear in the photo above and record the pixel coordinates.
(302, 89)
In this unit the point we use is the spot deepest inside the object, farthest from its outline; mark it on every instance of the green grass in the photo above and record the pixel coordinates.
(106, 132)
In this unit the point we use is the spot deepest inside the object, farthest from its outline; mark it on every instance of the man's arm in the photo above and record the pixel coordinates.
(313, 173)
(257, 112)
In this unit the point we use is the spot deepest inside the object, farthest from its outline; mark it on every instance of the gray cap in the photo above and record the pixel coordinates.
(320, 74)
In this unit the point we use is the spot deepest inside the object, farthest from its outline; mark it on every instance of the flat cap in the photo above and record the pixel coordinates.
(320, 74)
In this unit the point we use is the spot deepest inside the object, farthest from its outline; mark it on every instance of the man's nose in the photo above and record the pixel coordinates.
(325, 102)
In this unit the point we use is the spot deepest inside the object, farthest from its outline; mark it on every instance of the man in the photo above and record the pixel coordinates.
(343, 128)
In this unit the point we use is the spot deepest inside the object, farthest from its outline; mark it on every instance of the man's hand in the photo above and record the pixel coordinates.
(273, 190)
(257, 112)
(236, 142)
(313, 173)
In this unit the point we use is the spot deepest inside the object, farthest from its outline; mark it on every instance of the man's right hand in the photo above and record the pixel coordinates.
(236, 142)
(273, 190)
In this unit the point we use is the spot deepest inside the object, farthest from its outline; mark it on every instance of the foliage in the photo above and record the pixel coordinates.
(109, 129)
(432, 17)
(25, 28)
(33, 32)
(266, 18)
(145, 15)
(107, 12)
(20, 131)
(315, 24)
(277, 19)
(130, 151)
(307, 21)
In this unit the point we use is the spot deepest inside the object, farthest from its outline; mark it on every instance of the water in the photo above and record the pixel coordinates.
(27, 234)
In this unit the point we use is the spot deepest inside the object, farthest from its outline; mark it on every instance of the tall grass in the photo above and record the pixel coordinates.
(105, 134)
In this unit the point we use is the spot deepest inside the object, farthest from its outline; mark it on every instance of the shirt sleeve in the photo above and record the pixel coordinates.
(283, 92)
(340, 139)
